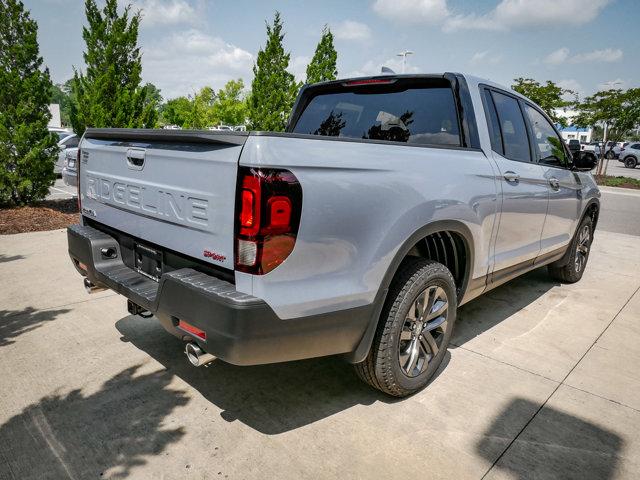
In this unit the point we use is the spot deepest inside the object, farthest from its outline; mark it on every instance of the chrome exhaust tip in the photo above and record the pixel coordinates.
(92, 287)
(196, 356)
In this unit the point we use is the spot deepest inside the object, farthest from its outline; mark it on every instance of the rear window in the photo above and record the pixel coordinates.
(406, 112)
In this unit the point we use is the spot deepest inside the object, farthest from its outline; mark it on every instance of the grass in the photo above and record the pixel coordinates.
(624, 182)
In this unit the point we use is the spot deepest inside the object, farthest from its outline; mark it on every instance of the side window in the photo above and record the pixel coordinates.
(547, 146)
(492, 123)
(72, 142)
(515, 141)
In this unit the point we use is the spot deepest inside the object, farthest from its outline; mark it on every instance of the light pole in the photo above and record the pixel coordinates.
(404, 58)
(603, 151)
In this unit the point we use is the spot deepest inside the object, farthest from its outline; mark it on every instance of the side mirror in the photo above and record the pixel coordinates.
(583, 162)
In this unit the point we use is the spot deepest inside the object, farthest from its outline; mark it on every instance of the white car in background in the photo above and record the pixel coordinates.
(68, 140)
(69, 169)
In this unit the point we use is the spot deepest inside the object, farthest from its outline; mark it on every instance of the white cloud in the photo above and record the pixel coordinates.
(298, 66)
(507, 14)
(351, 30)
(618, 83)
(557, 57)
(164, 12)
(186, 61)
(606, 55)
(373, 67)
(563, 55)
(413, 11)
(485, 58)
(573, 85)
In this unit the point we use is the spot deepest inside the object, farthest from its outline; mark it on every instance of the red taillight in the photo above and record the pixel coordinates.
(369, 81)
(269, 206)
(78, 181)
(187, 327)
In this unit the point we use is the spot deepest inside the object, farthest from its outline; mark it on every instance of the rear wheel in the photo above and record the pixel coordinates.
(580, 248)
(611, 155)
(414, 329)
(630, 162)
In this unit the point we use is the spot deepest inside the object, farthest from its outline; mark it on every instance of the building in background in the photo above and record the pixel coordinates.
(55, 121)
(572, 132)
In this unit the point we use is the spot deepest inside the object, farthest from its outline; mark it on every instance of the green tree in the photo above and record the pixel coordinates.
(616, 111)
(230, 106)
(548, 96)
(323, 64)
(62, 97)
(273, 89)
(27, 149)
(200, 114)
(109, 94)
(175, 111)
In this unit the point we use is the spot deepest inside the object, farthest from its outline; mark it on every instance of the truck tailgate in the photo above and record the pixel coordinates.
(171, 189)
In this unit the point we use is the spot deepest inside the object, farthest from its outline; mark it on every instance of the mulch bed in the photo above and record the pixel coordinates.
(46, 215)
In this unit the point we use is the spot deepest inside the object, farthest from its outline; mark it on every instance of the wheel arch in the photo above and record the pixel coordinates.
(454, 230)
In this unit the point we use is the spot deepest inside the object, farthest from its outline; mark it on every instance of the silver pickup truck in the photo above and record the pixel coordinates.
(389, 202)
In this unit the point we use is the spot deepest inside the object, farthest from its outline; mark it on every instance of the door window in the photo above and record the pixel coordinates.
(515, 142)
(547, 145)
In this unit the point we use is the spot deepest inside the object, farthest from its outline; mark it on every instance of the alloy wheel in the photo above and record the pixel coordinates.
(423, 330)
(582, 248)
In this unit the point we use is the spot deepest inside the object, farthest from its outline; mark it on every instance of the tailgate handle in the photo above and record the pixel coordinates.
(135, 158)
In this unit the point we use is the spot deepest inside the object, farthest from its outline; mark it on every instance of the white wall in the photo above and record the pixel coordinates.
(55, 121)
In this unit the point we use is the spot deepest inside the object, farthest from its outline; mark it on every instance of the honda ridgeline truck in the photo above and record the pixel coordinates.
(388, 202)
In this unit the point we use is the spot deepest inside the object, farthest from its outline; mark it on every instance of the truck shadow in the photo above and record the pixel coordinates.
(271, 399)
(487, 311)
(16, 322)
(554, 445)
(102, 434)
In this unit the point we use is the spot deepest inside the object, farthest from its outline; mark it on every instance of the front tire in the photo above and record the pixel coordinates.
(414, 329)
(580, 247)
(630, 162)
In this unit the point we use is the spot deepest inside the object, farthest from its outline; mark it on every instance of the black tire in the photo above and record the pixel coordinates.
(610, 155)
(580, 248)
(417, 280)
(630, 162)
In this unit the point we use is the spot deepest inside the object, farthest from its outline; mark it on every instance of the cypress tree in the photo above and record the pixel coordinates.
(323, 64)
(27, 149)
(109, 93)
(273, 89)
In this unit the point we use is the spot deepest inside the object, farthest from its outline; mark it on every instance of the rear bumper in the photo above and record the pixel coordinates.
(240, 329)
(70, 177)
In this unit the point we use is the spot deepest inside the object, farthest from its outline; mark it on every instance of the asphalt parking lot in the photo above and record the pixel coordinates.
(542, 381)
(617, 169)
(60, 191)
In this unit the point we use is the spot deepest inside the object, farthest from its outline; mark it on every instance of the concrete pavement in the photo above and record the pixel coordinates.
(617, 169)
(542, 380)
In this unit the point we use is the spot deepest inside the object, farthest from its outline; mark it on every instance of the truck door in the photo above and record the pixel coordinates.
(565, 199)
(525, 193)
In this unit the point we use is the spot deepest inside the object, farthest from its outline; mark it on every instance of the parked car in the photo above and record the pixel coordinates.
(387, 203)
(614, 148)
(69, 141)
(69, 171)
(630, 155)
(591, 151)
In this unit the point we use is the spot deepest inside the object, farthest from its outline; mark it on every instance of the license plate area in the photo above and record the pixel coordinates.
(148, 261)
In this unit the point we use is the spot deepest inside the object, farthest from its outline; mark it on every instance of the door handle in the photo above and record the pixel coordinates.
(555, 183)
(135, 158)
(511, 177)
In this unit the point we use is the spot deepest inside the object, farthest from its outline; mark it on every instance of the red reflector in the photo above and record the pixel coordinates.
(279, 211)
(82, 266)
(191, 329)
(246, 214)
(369, 81)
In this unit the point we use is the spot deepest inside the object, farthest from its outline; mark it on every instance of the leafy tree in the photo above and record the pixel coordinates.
(617, 111)
(201, 109)
(61, 95)
(109, 93)
(273, 89)
(323, 64)
(230, 108)
(176, 111)
(27, 149)
(548, 96)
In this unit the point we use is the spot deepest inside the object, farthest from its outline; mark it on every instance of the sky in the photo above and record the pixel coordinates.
(583, 45)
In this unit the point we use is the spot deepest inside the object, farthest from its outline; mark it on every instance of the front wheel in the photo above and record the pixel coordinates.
(414, 330)
(580, 247)
(630, 162)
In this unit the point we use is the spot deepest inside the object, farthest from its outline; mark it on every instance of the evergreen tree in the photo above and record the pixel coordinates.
(109, 93)
(27, 149)
(273, 89)
(323, 64)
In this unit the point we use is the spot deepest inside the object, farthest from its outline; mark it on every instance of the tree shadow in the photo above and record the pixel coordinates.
(271, 399)
(554, 445)
(17, 322)
(6, 259)
(107, 433)
(487, 311)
